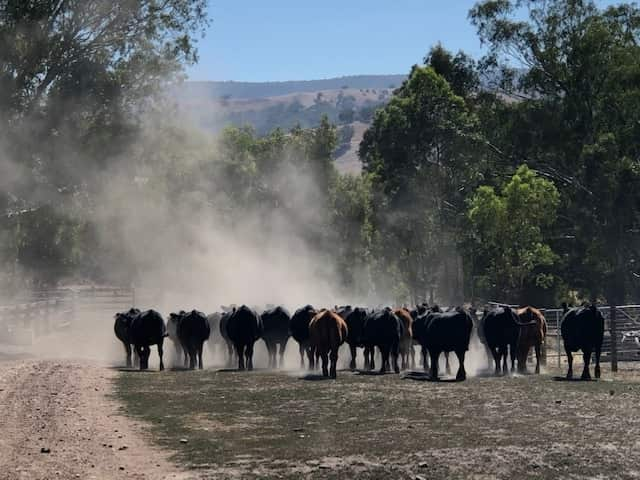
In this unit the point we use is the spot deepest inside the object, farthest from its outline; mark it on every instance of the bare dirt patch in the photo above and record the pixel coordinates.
(59, 420)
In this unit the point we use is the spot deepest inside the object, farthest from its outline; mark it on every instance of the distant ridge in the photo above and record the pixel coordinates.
(233, 89)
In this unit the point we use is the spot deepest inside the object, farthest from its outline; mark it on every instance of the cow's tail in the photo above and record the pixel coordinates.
(334, 333)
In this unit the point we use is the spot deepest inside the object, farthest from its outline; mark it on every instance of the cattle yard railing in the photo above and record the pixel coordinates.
(45, 311)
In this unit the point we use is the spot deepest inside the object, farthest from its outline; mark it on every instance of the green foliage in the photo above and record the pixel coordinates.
(507, 234)
(578, 122)
(419, 152)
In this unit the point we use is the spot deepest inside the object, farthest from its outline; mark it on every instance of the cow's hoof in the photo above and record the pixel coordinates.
(597, 372)
(396, 369)
(585, 377)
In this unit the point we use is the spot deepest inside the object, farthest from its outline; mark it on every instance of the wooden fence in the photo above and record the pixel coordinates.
(41, 312)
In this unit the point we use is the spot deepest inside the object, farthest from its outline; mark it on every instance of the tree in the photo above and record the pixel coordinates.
(576, 123)
(420, 151)
(506, 238)
(73, 73)
(459, 70)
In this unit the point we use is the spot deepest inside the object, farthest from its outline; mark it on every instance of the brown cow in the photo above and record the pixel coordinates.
(406, 341)
(533, 331)
(327, 331)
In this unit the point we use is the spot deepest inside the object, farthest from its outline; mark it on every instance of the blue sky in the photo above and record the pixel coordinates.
(275, 40)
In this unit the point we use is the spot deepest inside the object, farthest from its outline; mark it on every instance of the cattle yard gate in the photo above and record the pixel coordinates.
(46, 311)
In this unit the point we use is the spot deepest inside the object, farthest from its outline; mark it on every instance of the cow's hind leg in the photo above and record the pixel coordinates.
(352, 363)
(586, 355)
(127, 351)
(462, 374)
(597, 368)
(324, 356)
(240, 354)
(447, 366)
(200, 366)
(394, 360)
(537, 348)
(160, 353)
(435, 355)
(496, 358)
(333, 356)
(570, 362)
(283, 347)
(425, 363)
(384, 362)
(249, 355)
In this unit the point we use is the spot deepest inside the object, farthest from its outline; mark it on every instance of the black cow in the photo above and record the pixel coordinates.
(446, 332)
(583, 329)
(355, 320)
(382, 329)
(275, 324)
(500, 329)
(419, 329)
(193, 331)
(244, 328)
(172, 332)
(299, 329)
(122, 329)
(147, 328)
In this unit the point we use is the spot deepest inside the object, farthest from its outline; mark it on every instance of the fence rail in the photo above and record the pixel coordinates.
(44, 311)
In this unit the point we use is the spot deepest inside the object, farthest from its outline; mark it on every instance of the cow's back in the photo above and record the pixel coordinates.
(299, 324)
(147, 328)
(355, 325)
(327, 330)
(582, 328)
(448, 331)
(194, 327)
(275, 323)
(382, 328)
(244, 325)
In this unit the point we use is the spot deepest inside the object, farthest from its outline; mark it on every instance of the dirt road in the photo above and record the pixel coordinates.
(58, 420)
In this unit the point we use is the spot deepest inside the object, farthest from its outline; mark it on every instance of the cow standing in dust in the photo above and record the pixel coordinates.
(148, 328)
(122, 329)
(442, 332)
(327, 331)
(532, 333)
(299, 329)
(244, 328)
(193, 330)
(383, 329)
(583, 329)
(275, 324)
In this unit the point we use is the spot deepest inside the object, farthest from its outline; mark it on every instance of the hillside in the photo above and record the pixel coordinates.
(348, 102)
(255, 90)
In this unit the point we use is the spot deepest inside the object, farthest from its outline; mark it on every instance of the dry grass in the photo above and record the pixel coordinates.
(266, 424)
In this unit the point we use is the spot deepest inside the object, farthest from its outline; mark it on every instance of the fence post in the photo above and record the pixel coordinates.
(47, 316)
(543, 347)
(614, 338)
(558, 335)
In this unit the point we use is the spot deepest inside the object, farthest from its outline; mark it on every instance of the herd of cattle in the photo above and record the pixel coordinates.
(504, 332)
